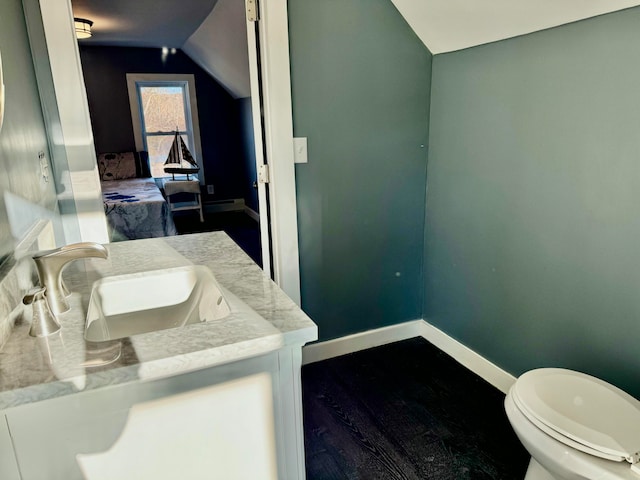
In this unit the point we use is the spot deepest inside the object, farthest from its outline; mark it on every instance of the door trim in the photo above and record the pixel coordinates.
(276, 87)
(256, 107)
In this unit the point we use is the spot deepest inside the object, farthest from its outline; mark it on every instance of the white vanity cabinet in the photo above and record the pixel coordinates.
(56, 404)
(47, 435)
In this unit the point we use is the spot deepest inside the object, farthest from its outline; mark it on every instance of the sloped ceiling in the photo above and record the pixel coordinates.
(219, 46)
(142, 23)
(212, 32)
(449, 25)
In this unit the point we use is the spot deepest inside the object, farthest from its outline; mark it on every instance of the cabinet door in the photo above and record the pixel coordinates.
(48, 435)
(8, 465)
(209, 432)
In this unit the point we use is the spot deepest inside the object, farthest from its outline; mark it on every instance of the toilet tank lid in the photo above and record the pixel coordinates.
(583, 408)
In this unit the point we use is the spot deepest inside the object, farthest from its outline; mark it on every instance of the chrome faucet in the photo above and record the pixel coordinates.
(50, 264)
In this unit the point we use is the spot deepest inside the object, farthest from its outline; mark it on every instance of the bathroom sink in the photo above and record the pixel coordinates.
(125, 305)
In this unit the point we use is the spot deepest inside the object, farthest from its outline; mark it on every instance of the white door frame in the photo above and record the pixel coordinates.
(256, 117)
(274, 40)
(278, 122)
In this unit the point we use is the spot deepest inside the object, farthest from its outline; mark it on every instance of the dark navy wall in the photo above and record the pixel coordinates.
(249, 153)
(360, 83)
(105, 70)
(532, 229)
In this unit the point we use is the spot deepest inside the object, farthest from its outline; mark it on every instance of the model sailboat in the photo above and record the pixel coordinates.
(180, 160)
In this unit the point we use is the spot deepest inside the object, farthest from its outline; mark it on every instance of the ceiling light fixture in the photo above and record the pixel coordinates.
(83, 27)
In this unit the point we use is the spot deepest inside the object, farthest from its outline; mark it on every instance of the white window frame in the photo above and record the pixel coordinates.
(135, 80)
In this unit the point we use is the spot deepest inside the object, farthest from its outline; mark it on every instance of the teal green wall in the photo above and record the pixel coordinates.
(360, 85)
(24, 196)
(532, 237)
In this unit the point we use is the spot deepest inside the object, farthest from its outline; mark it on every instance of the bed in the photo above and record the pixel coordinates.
(133, 203)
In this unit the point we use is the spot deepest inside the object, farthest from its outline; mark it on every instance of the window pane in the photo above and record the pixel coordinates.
(159, 146)
(163, 108)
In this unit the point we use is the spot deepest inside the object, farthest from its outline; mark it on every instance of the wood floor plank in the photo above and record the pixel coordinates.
(405, 410)
(346, 430)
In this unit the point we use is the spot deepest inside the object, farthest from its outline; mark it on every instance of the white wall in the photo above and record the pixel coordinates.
(219, 46)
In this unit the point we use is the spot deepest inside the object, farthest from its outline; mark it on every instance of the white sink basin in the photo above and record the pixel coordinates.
(126, 305)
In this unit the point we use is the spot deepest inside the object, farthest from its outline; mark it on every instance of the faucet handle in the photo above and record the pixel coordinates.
(44, 322)
(34, 294)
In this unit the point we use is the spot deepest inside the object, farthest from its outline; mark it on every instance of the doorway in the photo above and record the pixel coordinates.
(58, 67)
(180, 74)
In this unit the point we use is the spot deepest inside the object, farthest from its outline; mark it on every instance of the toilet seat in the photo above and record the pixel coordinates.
(558, 436)
(581, 411)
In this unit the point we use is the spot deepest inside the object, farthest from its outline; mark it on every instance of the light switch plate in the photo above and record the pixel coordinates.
(300, 150)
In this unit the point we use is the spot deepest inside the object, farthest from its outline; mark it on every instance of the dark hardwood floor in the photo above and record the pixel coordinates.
(405, 411)
(243, 229)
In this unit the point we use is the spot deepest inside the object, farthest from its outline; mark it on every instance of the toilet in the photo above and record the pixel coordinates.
(575, 426)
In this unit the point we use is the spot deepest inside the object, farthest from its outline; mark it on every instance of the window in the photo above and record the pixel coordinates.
(160, 104)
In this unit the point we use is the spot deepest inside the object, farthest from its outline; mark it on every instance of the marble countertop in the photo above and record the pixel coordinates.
(35, 369)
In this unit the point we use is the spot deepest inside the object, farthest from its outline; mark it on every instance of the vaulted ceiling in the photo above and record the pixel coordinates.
(143, 23)
(448, 25)
(213, 32)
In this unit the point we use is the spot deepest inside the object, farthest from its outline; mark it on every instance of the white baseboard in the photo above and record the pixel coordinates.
(467, 357)
(416, 328)
(231, 205)
(252, 213)
(360, 341)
